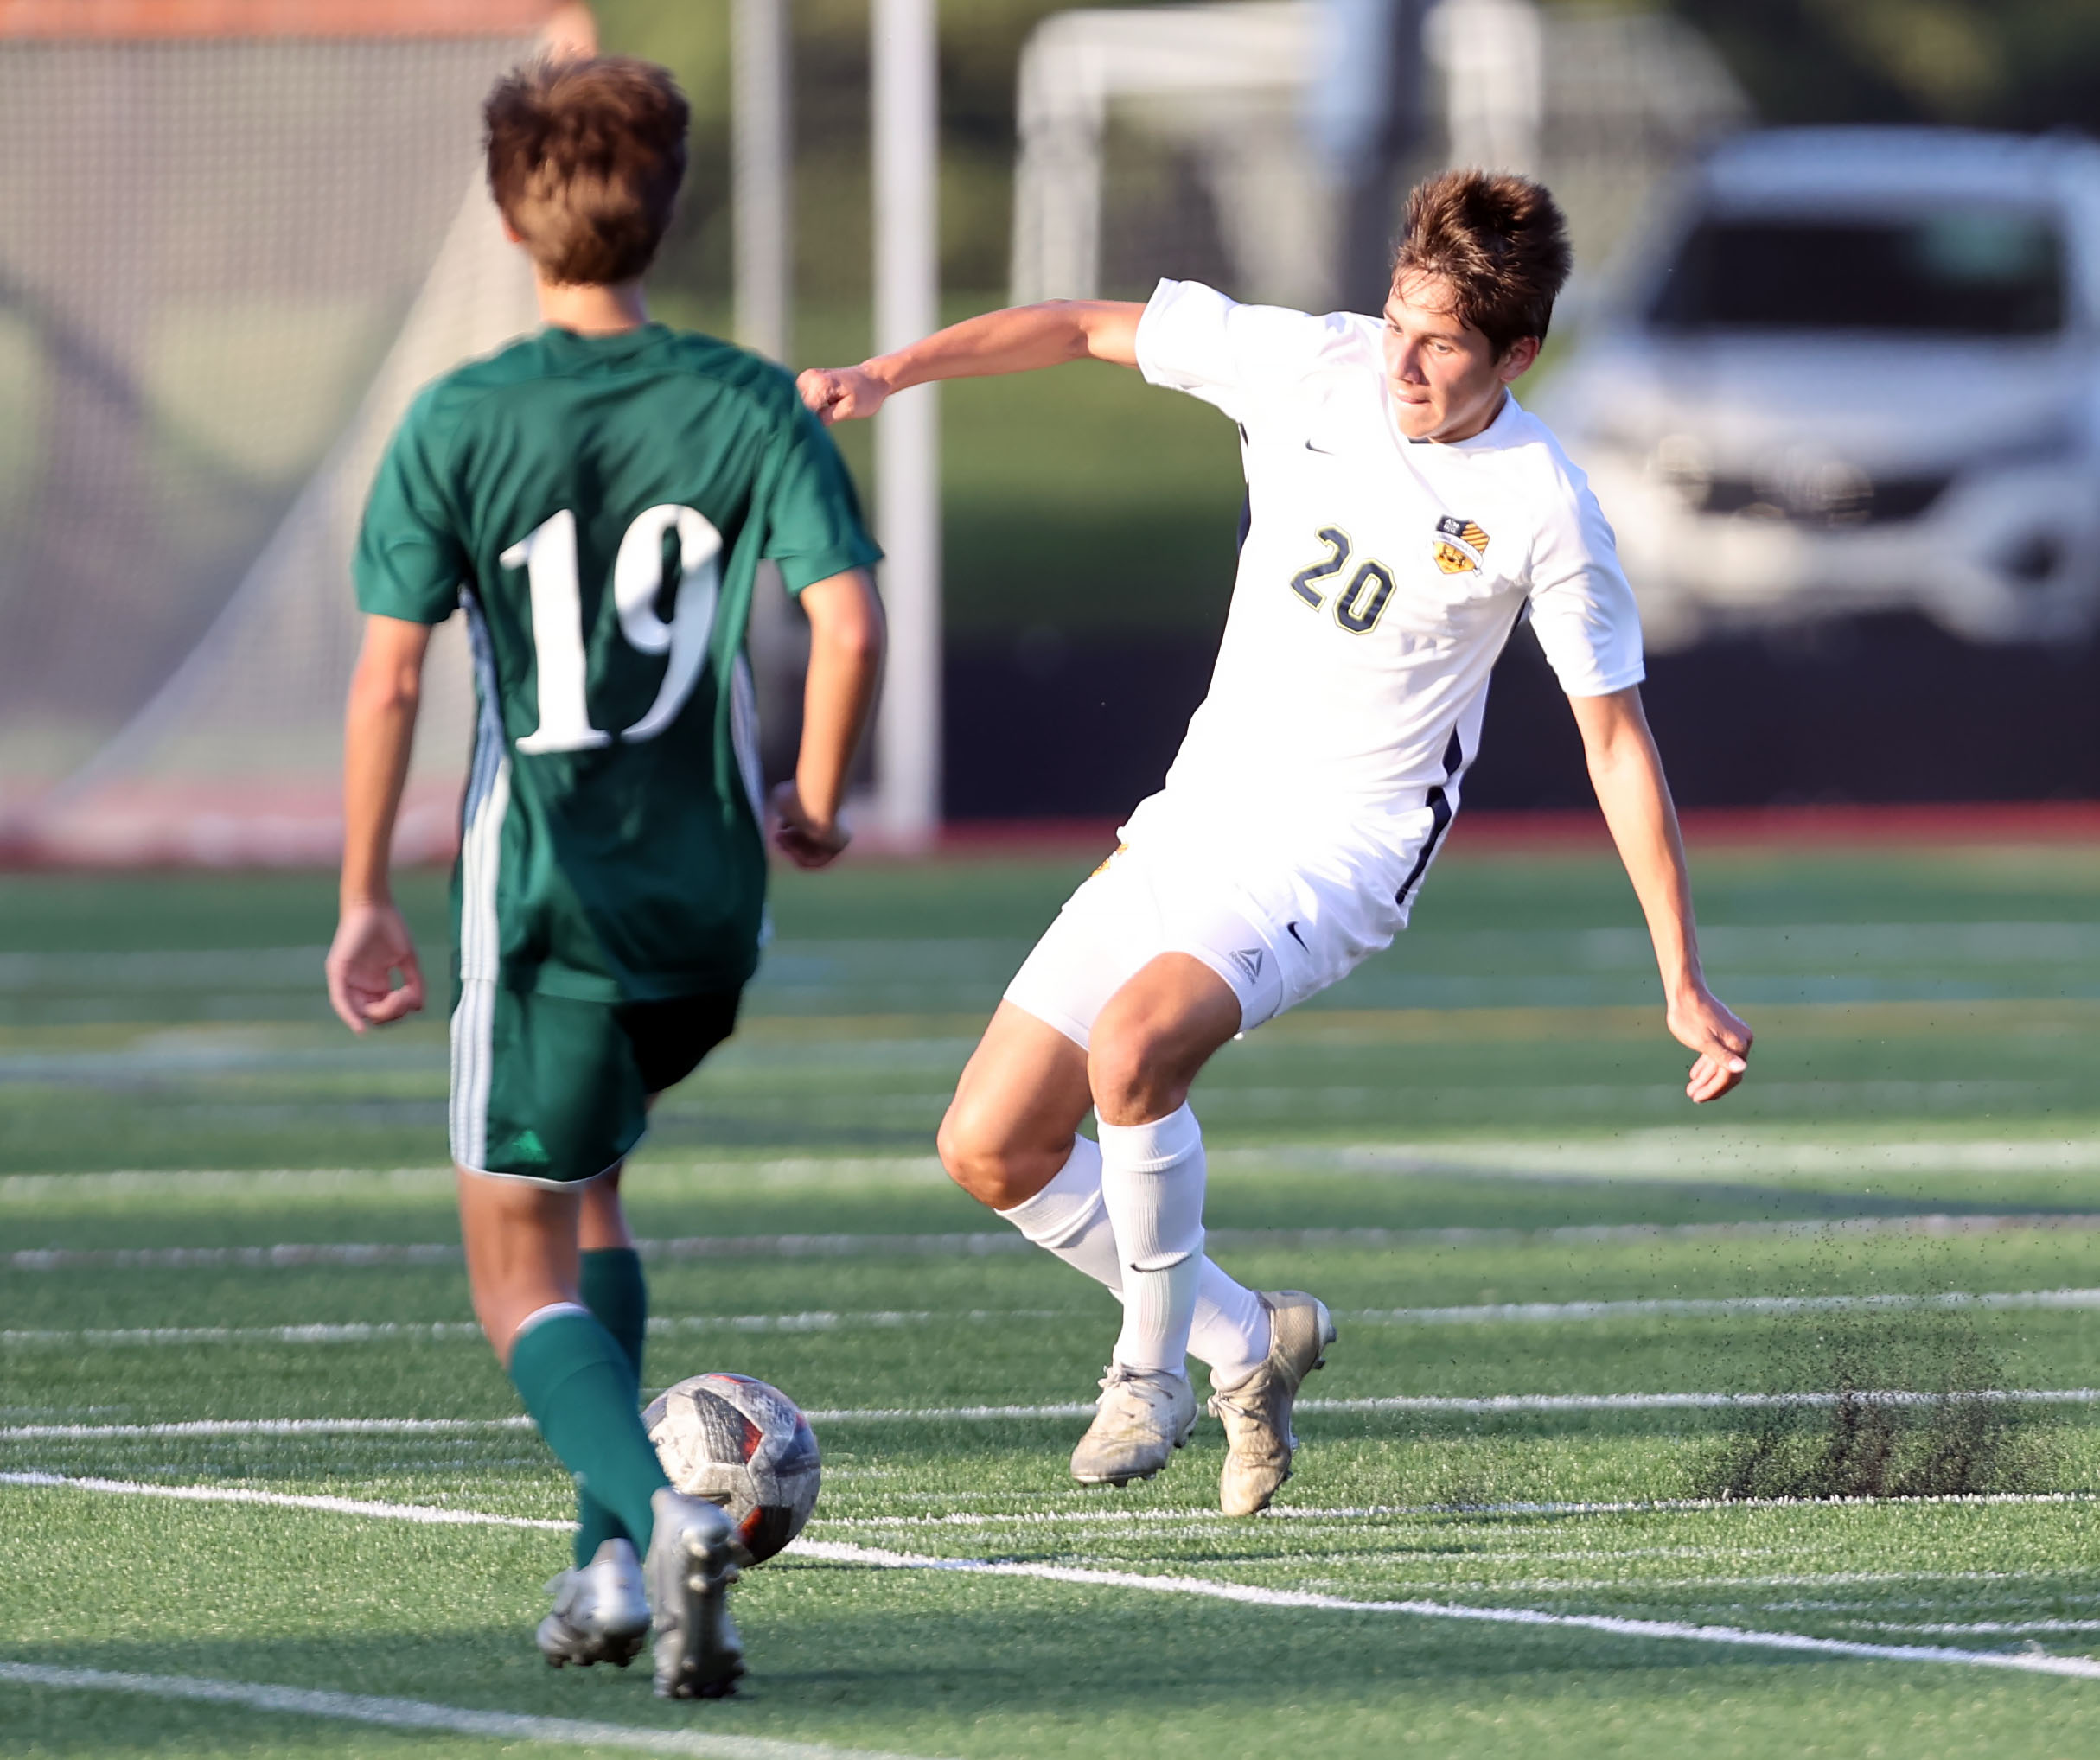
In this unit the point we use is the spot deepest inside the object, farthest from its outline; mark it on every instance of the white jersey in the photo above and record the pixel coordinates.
(1378, 581)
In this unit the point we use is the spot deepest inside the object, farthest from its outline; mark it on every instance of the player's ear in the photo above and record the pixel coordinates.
(1517, 358)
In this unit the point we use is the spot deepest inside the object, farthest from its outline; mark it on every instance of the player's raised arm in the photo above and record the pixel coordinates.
(1019, 339)
(372, 943)
(1627, 774)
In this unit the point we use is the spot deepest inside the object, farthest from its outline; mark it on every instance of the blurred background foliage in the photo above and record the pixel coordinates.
(2016, 64)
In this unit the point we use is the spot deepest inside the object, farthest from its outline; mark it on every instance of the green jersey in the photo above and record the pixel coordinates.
(598, 506)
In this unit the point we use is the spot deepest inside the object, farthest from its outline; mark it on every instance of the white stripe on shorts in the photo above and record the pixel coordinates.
(480, 943)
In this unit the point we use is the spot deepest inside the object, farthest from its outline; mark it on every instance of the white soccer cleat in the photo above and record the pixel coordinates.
(1256, 1414)
(692, 1560)
(1142, 1417)
(601, 1611)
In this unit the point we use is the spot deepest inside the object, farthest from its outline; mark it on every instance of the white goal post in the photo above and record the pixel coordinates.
(906, 169)
(1598, 104)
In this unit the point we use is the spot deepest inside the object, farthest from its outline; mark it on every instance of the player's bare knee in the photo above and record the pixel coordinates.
(991, 1162)
(972, 1154)
(1135, 1075)
(957, 1147)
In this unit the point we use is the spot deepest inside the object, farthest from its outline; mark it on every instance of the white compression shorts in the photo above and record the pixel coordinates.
(1146, 900)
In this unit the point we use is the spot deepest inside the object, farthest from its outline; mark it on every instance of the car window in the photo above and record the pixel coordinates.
(1979, 271)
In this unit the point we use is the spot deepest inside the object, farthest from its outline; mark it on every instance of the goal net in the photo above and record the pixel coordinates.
(227, 262)
(1184, 140)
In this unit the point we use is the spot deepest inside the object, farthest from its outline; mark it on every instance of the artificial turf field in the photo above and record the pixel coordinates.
(1501, 1539)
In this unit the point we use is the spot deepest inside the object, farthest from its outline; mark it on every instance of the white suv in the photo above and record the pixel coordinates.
(1855, 370)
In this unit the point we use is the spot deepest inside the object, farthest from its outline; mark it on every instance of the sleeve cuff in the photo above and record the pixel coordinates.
(380, 605)
(1141, 345)
(1611, 686)
(806, 571)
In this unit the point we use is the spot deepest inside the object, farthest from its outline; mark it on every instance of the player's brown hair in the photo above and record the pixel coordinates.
(1499, 241)
(585, 157)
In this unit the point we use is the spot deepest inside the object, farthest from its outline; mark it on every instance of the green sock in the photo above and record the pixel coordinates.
(578, 1384)
(614, 1290)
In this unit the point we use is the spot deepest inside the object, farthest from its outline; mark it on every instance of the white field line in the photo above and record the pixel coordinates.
(1376, 1512)
(834, 1552)
(826, 1320)
(440, 1515)
(1673, 1153)
(418, 1714)
(1669, 1152)
(1742, 1153)
(452, 1331)
(263, 1426)
(1489, 1403)
(1004, 1242)
(426, 1180)
(1494, 1313)
(220, 1258)
(355, 1332)
(1978, 1628)
(1700, 1402)
(429, 1515)
(1247, 1595)
(437, 1515)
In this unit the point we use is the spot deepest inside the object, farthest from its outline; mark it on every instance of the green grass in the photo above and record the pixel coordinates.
(1495, 1096)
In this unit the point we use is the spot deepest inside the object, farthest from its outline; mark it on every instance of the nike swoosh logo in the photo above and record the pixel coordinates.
(1322, 450)
(1292, 929)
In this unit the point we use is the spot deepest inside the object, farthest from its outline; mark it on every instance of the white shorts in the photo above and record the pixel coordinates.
(1148, 899)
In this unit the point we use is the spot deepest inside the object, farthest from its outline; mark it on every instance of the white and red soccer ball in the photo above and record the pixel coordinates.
(744, 1444)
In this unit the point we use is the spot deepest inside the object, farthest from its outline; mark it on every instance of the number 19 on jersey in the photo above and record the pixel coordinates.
(547, 554)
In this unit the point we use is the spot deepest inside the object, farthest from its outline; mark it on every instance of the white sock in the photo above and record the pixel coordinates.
(1231, 1332)
(1068, 1217)
(1152, 1185)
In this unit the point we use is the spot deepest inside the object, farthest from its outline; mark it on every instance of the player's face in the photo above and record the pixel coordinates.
(1445, 377)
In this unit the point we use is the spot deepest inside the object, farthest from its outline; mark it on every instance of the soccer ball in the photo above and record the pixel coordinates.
(744, 1444)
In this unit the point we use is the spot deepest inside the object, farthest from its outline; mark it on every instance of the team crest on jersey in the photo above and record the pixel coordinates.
(1460, 546)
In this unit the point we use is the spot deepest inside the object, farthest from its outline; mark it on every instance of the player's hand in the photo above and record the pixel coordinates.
(841, 394)
(372, 944)
(1701, 1021)
(807, 842)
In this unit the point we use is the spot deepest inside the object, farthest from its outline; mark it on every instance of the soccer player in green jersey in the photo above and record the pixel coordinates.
(596, 499)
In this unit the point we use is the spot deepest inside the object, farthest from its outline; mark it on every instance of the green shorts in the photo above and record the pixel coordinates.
(552, 1089)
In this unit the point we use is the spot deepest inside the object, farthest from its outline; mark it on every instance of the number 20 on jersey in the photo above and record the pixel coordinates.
(547, 554)
(1363, 600)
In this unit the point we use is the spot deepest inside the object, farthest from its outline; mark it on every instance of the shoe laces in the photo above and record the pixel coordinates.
(1148, 1386)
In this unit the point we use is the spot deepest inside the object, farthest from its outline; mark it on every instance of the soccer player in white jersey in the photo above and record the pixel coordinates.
(1404, 515)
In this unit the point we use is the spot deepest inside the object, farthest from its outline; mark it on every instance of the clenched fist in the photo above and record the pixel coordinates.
(841, 394)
